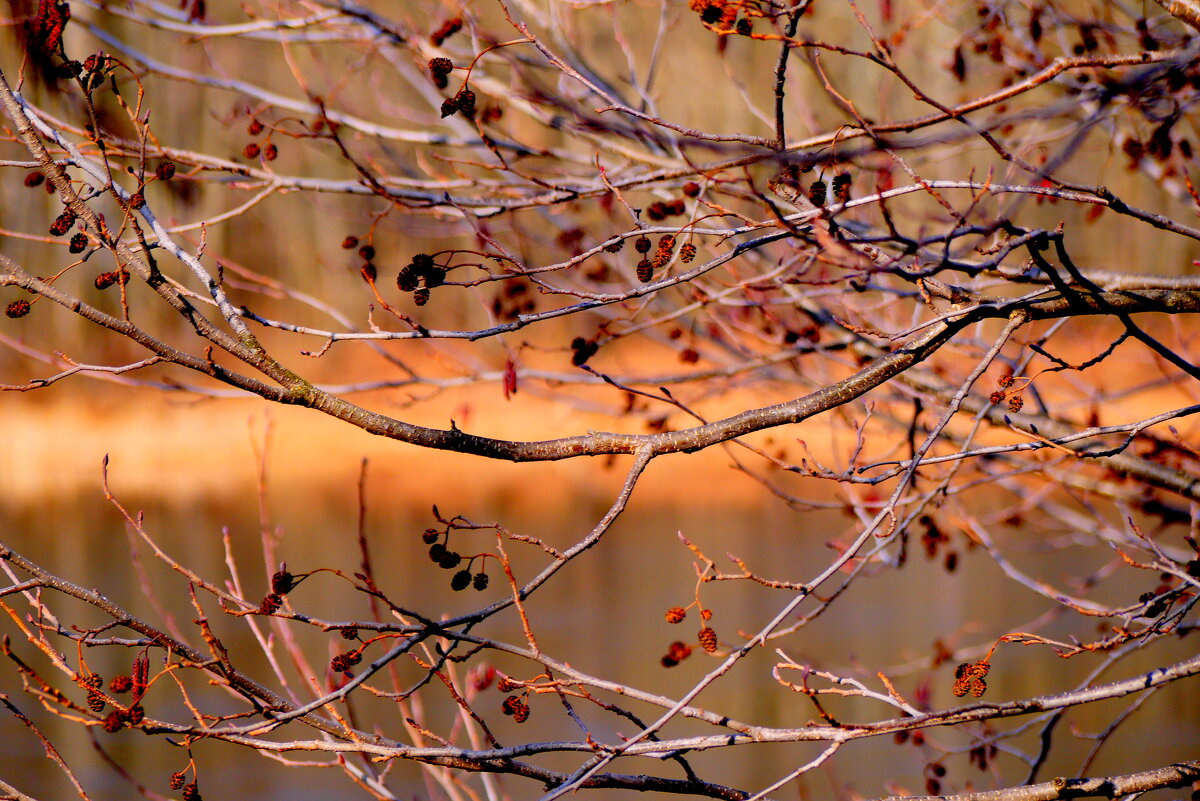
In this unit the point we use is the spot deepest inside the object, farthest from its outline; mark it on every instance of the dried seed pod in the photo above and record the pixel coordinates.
(437, 551)
(996, 397)
(191, 792)
(176, 781)
(691, 189)
(78, 243)
(708, 639)
(135, 715)
(343, 662)
(615, 247)
(583, 350)
(440, 66)
(744, 27)
(18, 308)
(521, 713)
(120, 684)
(1005, 380)
(421, 297)
(349, 633)
(112, 724)
(645, 270)
(466, 101)
(251, 150)
(255, 128)
(687, 252)
(408, 279)
(369, 273)
(480, 581)
(165, 171)
(430, 536)
(270, 604)
(282, 582)
(447, 29)
(962, 681)
(62, 223)
(433, 277)
(95, 701)
(1016, 403)
(270, 152)
(816, 193)
(350, 242)
(642, 244)
(137, 200)
(367, 252)
(450, 560)
(676, 614)
(449, 106)
(34, 179)
(510, 703)
(841, 187)
(461, 580)
(679, 651)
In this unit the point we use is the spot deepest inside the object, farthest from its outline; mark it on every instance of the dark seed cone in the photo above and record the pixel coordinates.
(282, 582)
(645, 270)
(816, 193)
(466, 101)
(62, 223)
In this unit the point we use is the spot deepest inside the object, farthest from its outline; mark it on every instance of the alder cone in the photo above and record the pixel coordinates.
(645, 270)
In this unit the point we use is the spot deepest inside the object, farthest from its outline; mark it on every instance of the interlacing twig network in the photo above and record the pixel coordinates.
(861, 252)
